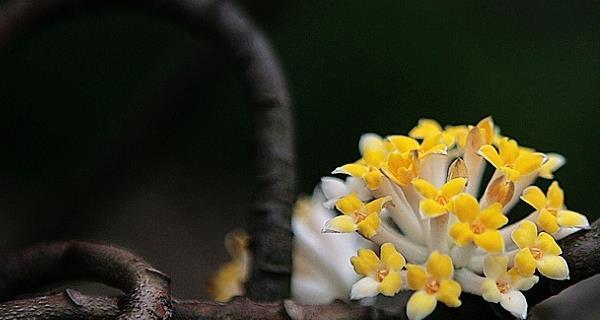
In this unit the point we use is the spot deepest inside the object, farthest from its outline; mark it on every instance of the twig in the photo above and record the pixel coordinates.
(273, 128)
(147, 289)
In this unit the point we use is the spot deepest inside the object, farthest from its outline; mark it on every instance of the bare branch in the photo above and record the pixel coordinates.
(147, 289)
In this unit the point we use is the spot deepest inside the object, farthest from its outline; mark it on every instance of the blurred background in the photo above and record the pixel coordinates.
(121, 126)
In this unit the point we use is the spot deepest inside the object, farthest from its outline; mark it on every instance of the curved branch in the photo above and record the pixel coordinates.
(272, 120)
(147, 289)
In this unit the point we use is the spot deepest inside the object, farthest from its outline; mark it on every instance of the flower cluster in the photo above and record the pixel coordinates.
(418, 198)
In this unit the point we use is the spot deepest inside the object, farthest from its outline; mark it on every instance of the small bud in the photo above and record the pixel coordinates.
(501, 190)
(474, 140)
(458, 169)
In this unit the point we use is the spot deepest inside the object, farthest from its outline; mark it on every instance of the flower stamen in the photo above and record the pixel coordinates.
(432, 286)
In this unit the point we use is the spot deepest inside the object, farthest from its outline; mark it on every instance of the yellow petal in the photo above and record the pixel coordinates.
(461, 233)
(525, 235)
(432, 142)
(453, 187)
(372, 149)
(548, 221)
(566, 218)
(391, 284)
(509, 150)
(556, 196)
(553, 267)
(534, 197)
(494, 266)
(349, 204)
(489, 153)
(368, 227)
(435, 149)
(404, 143)
(449, 292)
(525, 264)
(555, 161)
(365, 263)
(391, 258)
(343, 224)
(420, 305)
(440, 265)
(376, 205)
(425, 128)
(465, 207)
(416, 276)
(459, 133)
(492, 217)
(352, 169)
(373, 179)
(528, 162)
(431, 208)
(490, 291)
(510, 174)
(425, 188)
(486, 126)
(490, 241)
(548, 245)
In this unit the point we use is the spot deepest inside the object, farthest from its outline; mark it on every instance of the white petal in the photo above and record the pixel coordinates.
(368, 139)
(365, 287)
(564, 232)
(333, 188)
(494, 266)
(514, 302)
(524, 284)
(358, 186)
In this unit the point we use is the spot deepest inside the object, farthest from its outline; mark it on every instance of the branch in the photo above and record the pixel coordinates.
(266, 88)
(147, 289)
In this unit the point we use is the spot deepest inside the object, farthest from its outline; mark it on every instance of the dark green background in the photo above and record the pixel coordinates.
(121, 126)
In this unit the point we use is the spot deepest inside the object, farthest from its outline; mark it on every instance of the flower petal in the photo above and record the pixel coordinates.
(548, 245)
(556, 196)
(349, 204)
(528, 162)
(333, 188)
(391, 284)
(440, 265)
(425, 128)
(372, 149)
(453, 187)
(567, 218)
(391, 258)
(404, 143)
(364, 288)
(548, 221)
(514, 302)
(461, 233)
(373, 179)
(365, 262)
(489, 153)
(509, 150)
(555, 161)
(352, 169)
(490, 241)
(490, 291)
(553, 267)
(343, 224)
(525, 264)
(465, 207)
(534, 197)
(420, 305)
(492, 217)
(525, 235)
(425, 188)
(376, 205)
(524, 283)
(431, 208)
(368, 227)
(416, 276)
(449, 292)
(494, 266)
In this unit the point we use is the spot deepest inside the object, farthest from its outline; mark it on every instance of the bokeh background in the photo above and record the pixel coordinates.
(121, 126)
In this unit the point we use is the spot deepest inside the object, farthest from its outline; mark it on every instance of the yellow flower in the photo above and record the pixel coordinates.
(538, 252)
(431, 145)
(476, 225)
(229, 280)
(504, 287)
(357, 216)
(430, 128)
(551, 212)
(512, 161)
(438, 202)
(432, 285)
(373, 150)
(555, 161)
(380, 275)
(402, 167)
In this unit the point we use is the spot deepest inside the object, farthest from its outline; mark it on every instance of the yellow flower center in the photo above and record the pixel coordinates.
(477, 226)
(381, 274)
(441, 200)
(536, 252)
(503, 286)
(432, 286)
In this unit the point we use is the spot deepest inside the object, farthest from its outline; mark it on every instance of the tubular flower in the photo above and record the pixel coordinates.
(430, 128)
(229, 280)
(374, 152)
(431, 285)
(538, 252)
(476, 225)
(437, 202)
(402, 167)
(512, 161)
(552, 214)
(357, 216)
(504, 287)
(380, 275)
(431, 145)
